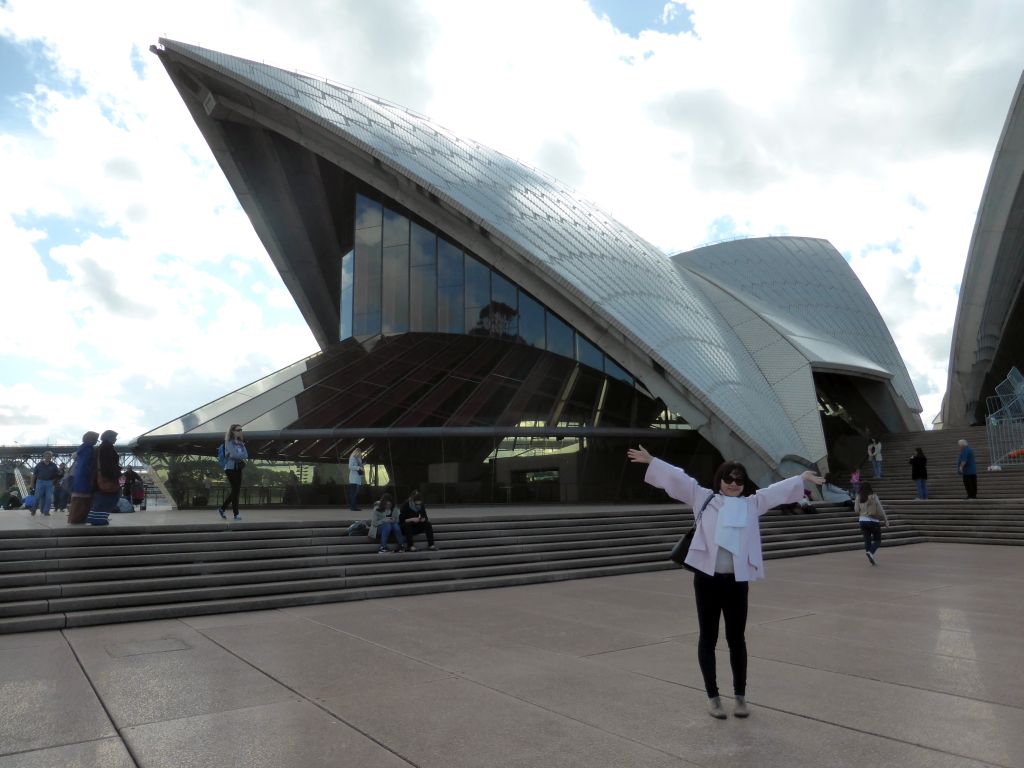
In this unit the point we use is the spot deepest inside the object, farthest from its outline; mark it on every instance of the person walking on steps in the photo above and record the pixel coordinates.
(236, 454)
(871, 516)
(726, 556)
(875, 456)
(919, 473)
(968, 469)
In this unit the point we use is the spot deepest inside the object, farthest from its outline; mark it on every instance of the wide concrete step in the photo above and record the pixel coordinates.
(83, 576)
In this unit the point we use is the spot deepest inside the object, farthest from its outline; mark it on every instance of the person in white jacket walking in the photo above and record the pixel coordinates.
(726, 553)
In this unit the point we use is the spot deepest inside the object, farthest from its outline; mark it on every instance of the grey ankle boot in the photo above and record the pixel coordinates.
(742, 709)
(715, 708)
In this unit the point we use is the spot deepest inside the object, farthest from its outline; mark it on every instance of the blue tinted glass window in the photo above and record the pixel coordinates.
(396, 229)
(422, 280)
(366, 282)
(395, 289)
(422, 247)
(368, 212)
(450, 282)
(616, 371)
(588, 354)
(347, 261)
(531, 321)
(478, 297)
(504, 312)
(560, 337)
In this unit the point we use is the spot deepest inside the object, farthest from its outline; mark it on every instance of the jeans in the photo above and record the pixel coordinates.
(922, 489)
(44, 496)
(386, 528)
(721, 596)
(872, 533)
(876, 467)
(235, 479)
(353, 497)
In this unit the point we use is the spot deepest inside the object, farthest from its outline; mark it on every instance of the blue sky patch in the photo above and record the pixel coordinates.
(634, 16)
(23, 66)
(61, 231)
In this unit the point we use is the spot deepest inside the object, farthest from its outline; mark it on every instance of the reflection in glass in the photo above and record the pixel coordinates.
(560, 337)
(531, 321)
(395, 289)
(616, 371)
(478, 297)
(368, 212)
(422, 280)
(396, 229)
(346, 295)
(450, 281)
(504, 313)
(367, 282)
(588, 354)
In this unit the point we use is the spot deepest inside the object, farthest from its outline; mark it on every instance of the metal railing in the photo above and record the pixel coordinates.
(1005, 421)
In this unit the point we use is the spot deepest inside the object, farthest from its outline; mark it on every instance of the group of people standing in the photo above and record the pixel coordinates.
(95, 479)
(92, 488)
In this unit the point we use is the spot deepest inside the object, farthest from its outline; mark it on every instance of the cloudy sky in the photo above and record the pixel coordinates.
(135, 288)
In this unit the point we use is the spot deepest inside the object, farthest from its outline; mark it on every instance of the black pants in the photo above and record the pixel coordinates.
(235, 478)
(971, 486)
(872, 533)
(411, 529)
(722, 596)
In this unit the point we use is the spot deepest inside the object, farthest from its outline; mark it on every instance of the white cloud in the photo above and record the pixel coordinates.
(871, 126)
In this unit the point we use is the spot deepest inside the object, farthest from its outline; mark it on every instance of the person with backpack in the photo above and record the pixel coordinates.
(871, 516)
(232, 455)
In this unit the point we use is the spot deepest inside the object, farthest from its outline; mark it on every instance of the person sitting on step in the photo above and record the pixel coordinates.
(413, 519)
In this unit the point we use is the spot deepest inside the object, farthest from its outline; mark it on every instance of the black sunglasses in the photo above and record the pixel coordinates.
(735, 479)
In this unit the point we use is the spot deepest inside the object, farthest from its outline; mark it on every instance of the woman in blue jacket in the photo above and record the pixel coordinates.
(236, 454)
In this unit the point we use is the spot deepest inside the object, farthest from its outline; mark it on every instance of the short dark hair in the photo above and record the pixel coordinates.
(727, 468)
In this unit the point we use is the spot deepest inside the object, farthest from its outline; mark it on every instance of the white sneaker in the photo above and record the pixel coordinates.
(871, 557)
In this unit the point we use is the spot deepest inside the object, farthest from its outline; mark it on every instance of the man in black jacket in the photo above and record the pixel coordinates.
(413, 519)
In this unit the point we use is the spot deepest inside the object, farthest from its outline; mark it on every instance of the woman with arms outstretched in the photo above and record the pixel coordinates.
(726, 553)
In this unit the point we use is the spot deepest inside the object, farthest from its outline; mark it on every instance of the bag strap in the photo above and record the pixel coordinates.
(705, 506)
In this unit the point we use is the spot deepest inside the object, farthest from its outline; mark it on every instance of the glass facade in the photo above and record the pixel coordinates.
(403, 276)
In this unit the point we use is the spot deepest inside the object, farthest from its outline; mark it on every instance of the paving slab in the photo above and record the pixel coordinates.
(160, 670)
(295, 734)
(45, 698)
(101, 753)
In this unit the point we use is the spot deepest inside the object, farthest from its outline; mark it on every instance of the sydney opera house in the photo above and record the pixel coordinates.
(487, 335)
(987, 337)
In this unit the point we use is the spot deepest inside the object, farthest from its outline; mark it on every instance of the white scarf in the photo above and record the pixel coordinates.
(732, 519)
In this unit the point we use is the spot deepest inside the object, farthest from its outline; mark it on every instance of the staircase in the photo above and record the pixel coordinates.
(995, 517)
(940, 446)
(81, 576)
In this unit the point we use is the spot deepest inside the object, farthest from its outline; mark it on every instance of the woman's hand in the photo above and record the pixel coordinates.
(639, 455)
(812, 477)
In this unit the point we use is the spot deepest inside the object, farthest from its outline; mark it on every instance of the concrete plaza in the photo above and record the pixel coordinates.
(916, 662)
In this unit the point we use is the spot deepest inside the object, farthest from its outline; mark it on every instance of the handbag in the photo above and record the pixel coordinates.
(103, 485)
(682, 547)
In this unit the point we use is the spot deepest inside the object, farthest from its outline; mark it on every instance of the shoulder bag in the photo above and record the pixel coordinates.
(104, 485)
(682, 547)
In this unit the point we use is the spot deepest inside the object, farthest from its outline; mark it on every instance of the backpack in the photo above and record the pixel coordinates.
(222, 458)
